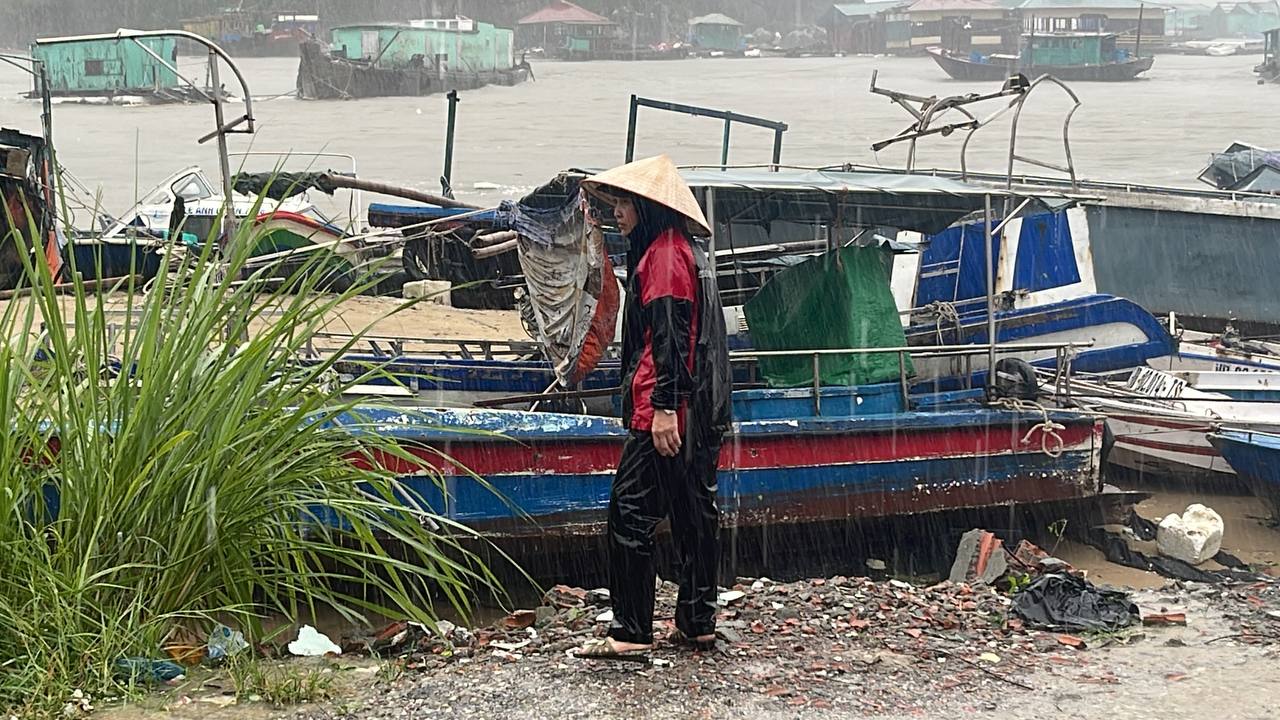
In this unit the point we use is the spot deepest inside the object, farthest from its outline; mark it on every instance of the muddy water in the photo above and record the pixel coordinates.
(1249, 534)
(1157, 130)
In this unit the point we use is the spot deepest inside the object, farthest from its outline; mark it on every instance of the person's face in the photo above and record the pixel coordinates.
(626, 216)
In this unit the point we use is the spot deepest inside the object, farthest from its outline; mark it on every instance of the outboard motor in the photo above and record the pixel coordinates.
(1014, 378)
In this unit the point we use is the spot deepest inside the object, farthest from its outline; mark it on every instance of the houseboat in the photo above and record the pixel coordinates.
(1068, 56)
(417, 58)
(116, 71)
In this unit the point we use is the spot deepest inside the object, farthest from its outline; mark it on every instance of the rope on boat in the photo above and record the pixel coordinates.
(943, 312)
(1051, 443)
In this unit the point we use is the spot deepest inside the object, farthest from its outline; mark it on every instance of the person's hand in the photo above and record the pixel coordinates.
(666, 433)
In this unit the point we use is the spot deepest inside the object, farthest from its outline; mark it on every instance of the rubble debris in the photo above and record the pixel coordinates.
(1164, 618)
(1193, 537)
(1058, 601)
(980, 558)
(520, 619)
(1072, 641)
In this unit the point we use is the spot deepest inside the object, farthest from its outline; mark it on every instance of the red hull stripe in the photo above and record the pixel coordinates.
(1162, 423)
(1169, 447)
(572, 458)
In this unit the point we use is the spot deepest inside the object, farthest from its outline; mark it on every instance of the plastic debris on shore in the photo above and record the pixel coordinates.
(313, 643)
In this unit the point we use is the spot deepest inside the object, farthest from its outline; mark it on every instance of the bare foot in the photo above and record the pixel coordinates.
(625, 647)
(609, 649)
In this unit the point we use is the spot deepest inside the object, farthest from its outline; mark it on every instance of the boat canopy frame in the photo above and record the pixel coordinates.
(727, 116)
(1016, 87)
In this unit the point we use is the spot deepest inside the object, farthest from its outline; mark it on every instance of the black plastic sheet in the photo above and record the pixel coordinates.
(1066, 602)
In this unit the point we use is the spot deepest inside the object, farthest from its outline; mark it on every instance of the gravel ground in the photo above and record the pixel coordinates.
(1222, 664)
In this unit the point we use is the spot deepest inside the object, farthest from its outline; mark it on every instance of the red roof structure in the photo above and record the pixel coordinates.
(562, 11)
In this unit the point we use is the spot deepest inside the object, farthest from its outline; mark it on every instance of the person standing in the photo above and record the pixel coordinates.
(676, 407)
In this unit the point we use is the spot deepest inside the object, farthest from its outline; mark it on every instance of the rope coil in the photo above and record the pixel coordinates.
(1051, 443)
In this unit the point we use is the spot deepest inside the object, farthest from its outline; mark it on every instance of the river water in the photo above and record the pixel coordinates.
(1158, 130)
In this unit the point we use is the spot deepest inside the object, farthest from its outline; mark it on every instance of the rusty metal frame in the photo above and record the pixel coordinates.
(1016, 105)
(933, 107)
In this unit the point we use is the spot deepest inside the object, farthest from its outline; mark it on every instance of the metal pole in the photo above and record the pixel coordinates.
(1137, 43)
(724, 144)
(777, 149)
(448, 139)
(991, 294)
(224, 161)
(631, 130)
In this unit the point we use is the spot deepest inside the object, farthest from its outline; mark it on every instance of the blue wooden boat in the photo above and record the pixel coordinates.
(858, 453)
(1255, 456)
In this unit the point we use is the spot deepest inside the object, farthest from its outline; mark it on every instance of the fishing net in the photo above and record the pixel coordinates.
(572, 290)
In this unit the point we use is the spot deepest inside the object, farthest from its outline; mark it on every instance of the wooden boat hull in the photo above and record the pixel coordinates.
(552, 473)
(961, 69)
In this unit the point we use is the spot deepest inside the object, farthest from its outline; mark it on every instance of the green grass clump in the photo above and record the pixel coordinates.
(188, 484)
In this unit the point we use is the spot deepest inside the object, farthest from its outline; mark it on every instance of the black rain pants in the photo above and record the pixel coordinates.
(648, 487)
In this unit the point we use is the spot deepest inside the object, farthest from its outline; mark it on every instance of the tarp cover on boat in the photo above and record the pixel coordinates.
(840, 299)
(1244, 167)
(567, 272)
(921, 203)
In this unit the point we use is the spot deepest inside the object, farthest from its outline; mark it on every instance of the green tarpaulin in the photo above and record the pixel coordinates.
(840, 299)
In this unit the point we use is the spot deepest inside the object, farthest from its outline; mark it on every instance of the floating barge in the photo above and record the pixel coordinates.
(420, 58)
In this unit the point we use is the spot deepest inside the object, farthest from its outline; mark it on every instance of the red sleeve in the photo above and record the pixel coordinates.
(667, 269)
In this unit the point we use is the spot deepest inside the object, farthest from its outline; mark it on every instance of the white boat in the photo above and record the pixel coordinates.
(1159, 422)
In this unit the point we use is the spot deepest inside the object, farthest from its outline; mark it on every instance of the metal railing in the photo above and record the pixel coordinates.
(1062, 353)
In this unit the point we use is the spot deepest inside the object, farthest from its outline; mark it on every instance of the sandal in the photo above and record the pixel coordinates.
(604, 649)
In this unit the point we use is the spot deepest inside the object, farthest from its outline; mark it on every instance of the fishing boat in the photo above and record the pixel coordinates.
(286, 222)
(27, 200)
(1255, 457)
(863, 455)
(832, 433)
(1068, 56)
(1160, 424)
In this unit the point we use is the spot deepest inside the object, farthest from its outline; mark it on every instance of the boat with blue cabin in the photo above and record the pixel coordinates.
(830, 430)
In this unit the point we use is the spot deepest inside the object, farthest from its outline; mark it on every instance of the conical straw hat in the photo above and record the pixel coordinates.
(655, 179)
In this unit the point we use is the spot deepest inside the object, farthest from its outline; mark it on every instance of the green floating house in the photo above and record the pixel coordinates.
(461, 44)
(97, 68)
(415, 58)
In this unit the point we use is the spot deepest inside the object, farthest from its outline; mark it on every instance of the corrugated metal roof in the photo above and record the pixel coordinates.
(865, 9)
(1077, 4)
(943, 5)
(715, 19)
(562, 11)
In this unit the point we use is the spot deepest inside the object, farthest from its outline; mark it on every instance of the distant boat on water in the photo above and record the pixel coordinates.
(416, 58)
(1068, 56)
